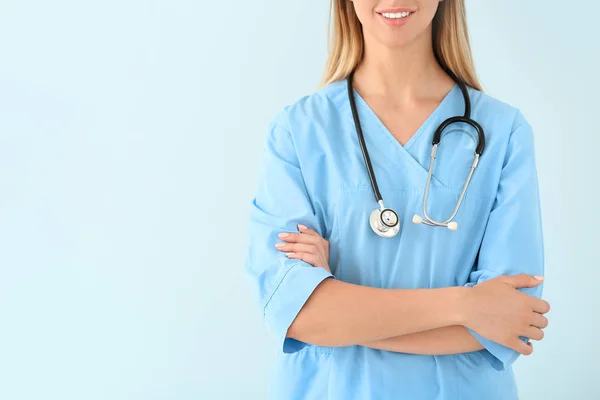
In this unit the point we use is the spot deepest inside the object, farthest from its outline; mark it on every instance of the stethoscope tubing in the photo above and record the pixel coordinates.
(361, 140)
(435, 142)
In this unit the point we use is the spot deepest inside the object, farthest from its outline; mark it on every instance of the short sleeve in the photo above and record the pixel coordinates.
(513, 241)
(280, 284)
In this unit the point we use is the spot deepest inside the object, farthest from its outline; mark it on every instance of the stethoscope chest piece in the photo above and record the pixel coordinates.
(385, 222)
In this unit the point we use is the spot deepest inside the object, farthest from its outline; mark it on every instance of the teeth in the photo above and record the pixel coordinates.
(396, 15)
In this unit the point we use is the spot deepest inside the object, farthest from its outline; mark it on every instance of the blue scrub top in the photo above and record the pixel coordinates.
(312, 172)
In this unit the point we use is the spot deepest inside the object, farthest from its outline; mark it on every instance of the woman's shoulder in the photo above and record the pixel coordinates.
(497, 112)
(490, 103)
(319, 105)
(505, 125)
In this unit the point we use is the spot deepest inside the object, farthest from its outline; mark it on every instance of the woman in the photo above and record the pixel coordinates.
(427, 312)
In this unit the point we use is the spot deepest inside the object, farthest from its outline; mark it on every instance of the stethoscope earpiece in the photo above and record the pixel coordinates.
(452, 225)
(384, 221)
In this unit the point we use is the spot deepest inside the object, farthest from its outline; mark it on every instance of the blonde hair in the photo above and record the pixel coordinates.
(450, 40)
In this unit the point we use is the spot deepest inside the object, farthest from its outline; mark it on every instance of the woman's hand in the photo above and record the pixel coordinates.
(498, 312)
(307, 245)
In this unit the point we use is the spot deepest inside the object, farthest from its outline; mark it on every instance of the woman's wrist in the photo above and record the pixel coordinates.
(459, 304)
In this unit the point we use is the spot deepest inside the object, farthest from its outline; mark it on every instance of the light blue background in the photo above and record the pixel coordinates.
(130, 133)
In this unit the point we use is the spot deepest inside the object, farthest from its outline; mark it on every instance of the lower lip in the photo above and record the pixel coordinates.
(395, 21)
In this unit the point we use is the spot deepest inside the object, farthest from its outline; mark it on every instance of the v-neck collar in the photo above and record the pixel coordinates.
(387, 144)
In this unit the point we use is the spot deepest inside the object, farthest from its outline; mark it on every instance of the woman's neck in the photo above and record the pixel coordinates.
(402, 75)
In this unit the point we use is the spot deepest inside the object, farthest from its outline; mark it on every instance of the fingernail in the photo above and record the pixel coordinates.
(541, 278)
(283, 234)
(279, 245)
(302, 226)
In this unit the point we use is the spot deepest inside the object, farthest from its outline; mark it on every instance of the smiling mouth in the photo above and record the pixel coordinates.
(396, 15)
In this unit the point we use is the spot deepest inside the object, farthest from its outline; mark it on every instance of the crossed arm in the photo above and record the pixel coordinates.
(450, 339)
(446, 340)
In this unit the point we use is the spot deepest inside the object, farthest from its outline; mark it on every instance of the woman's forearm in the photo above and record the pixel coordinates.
(446, 340)
(341, 314)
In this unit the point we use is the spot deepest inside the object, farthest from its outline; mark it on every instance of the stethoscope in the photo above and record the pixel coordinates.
(385, 221)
